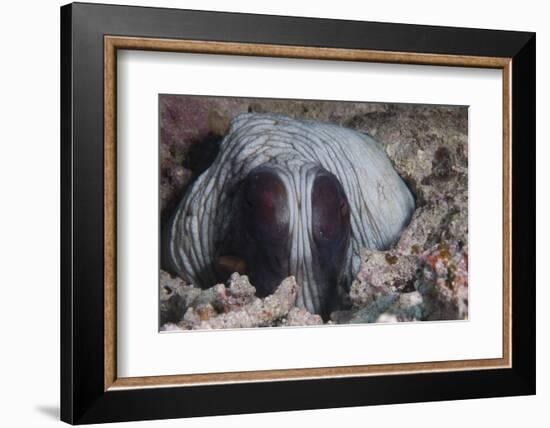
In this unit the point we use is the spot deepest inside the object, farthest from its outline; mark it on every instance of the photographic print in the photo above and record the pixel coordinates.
(278, 212)
(201, 214)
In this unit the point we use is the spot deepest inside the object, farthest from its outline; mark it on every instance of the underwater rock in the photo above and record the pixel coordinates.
(233, 305)
(175, 297)
(257, 313)
(424, 230)
(428, 261)
(393, 307)
(381, 273)
(428, 147)
(444, 282)
(300, 317)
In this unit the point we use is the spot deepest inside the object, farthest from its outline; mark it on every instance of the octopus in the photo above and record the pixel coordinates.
(289, 197)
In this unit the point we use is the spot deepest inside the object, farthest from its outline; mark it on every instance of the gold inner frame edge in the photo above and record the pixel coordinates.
(113, 43)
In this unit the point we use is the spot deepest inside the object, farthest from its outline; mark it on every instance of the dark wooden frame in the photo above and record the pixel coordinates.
(89, 36)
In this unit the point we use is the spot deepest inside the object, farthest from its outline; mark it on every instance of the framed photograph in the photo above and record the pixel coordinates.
(265, 213)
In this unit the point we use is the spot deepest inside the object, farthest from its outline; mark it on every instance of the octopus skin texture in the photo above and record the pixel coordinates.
(288, 197)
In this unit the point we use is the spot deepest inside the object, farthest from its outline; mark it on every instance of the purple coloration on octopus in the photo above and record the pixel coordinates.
(265, 243)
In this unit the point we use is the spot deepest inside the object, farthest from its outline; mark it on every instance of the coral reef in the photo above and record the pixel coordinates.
(422, 276)
(396, 286)
(234, 305)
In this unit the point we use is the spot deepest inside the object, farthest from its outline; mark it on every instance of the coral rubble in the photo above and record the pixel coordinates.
(423, 276)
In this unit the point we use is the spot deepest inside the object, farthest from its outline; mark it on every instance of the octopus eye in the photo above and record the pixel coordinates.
(265, 205)
(344, 209)
(330, 210)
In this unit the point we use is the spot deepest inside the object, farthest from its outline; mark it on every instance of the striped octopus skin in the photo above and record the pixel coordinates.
(288, 197)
